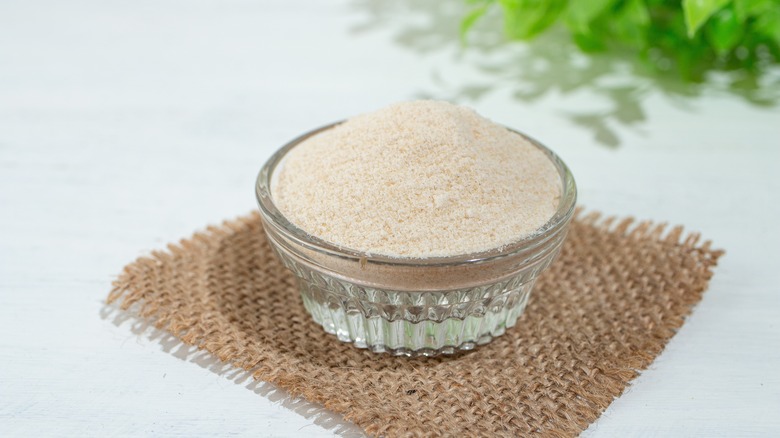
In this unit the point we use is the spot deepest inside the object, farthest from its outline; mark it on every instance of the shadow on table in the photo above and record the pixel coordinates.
(317, 413)
(546, 66)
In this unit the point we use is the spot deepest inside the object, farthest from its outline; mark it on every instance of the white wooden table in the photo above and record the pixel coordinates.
(128, 124)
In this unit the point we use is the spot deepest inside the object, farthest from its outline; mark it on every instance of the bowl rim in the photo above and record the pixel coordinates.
(273, 216)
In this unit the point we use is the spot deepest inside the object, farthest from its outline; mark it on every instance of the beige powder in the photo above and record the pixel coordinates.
(418, 179)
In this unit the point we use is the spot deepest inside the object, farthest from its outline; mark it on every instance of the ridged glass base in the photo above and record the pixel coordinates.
(415, 323)
(409, 306)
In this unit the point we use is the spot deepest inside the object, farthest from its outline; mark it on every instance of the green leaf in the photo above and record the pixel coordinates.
(582, 12)
(724, 31)
(698, 11)
(631, 22)
(689, 37)
(768, 25)
(588, 43)
(470, 19)
(752, 8)
(635, 11)
(524, 19)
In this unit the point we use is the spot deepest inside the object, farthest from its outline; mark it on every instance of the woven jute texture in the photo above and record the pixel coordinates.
(598, 316)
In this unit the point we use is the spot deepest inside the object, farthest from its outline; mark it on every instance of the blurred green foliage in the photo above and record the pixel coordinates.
(689, 37)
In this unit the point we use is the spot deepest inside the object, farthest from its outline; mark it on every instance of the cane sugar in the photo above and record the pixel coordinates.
(417, 180)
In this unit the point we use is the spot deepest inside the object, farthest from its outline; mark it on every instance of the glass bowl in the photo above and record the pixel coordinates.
(413, 307)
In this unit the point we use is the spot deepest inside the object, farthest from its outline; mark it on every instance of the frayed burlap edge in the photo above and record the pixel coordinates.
(130, 287)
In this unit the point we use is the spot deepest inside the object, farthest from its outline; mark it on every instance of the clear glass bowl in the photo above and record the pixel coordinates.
(410, 306)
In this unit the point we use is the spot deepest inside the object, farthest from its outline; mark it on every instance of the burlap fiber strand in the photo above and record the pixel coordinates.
(599, 315)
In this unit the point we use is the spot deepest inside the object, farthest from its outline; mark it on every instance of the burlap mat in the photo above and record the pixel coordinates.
(601, 314)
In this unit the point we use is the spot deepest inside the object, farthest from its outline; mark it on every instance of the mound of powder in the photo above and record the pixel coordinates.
(418, 179)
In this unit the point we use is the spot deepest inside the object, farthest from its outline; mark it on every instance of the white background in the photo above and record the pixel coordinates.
(128, 124)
